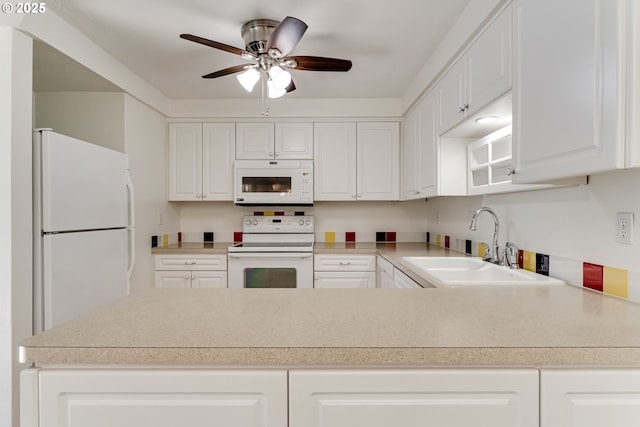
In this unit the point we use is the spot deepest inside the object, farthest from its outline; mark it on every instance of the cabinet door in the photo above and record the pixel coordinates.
(163, 398)
(568, 84)
(384, 273)
(488, 64)
(451, 97)
(334, 161)
(378, 161)
(208, 279)
(427, 148)
(344, 262)
(173, 279)
(344, 279)
(218, 155)
(294, 141)
(590, 397)
(401, 280)
(185, 161)
(414, 398)
(255, 141)
(409, 153)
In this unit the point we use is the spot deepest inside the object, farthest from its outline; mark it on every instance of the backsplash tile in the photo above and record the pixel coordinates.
(350, 236)
(330, 236)
(237, 236)
(467, 247)
(616, 282)
(592, 276)
(529, 261)
(542, 264)
(207, 236)
(381, 236)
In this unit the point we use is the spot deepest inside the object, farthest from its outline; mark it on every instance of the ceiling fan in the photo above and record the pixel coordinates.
(267, 44)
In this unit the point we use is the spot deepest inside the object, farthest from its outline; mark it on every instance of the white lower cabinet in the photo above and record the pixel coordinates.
(401, 280)
(162, 398)
(191, 271)
(590, 397)
(413, 398)
(344, 271)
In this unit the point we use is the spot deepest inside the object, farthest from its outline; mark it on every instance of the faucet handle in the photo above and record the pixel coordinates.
(511, 255)
(487, 252)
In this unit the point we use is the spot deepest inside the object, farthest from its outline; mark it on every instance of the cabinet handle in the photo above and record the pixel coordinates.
(463, 108)
(198, 196)
(277, 154)
(204, 196)
(189, 262)
(359, 195)
(345, 263)
(271, 153)
(316, 278)
(187, 277)
(511, 171)
(353, 196)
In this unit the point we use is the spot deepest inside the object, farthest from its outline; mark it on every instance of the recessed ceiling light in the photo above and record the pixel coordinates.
(487, 119)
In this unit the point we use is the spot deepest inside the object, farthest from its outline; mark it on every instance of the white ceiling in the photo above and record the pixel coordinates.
(388, 42)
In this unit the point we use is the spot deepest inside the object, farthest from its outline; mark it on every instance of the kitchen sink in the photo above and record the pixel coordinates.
(473, 271)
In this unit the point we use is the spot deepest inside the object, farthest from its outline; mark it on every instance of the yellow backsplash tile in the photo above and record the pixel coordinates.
(165, 239)
(438, 240)
(482, 250)
(529, 261)
(616, 282)
(330, 236)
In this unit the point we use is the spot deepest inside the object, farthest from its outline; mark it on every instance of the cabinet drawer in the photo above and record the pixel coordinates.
(344, 263)
(191, 262)
(344, 279)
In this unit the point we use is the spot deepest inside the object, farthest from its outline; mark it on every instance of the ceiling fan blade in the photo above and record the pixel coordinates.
(286, 35)
(213, 44)
(226, 71)
(318, 63)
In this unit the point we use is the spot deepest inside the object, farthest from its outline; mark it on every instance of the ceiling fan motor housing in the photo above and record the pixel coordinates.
(255, 34)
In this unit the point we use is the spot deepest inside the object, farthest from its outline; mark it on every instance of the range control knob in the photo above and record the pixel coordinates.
(248, 222)
(301, 222)
(255, 222)
(308, 222)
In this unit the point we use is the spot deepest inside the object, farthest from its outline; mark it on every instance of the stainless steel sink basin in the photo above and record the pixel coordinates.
(473, 271)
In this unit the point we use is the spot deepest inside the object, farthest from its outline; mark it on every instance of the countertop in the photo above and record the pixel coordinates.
(532, 326)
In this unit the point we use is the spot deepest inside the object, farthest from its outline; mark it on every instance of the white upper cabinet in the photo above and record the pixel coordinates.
(480, 76)
(201, 160)
(378, 161)
(274, 141)
(334, 166)
(357, 161)
(419, 155)
(432, 166)
(573, 86)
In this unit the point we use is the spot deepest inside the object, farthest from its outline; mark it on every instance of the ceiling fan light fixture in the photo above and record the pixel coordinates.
(275, 92)
(487, 119)
(280, 78)
(248, 78)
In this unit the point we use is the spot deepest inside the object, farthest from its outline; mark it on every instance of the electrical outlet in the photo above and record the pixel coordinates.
(159, 218)
(624, 227)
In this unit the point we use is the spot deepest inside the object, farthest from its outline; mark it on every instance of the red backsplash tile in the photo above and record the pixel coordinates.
(592, 276)
(179, 237)
(350, 236)
(391, 236)
(447, 241)
(237, 236)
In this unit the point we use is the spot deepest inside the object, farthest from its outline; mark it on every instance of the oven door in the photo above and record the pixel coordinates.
(270, 270)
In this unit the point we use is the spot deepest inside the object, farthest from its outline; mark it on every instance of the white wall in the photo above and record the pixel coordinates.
(15, 212)
(146, 136)
(97, 117)
(361, 217)
(572, 222)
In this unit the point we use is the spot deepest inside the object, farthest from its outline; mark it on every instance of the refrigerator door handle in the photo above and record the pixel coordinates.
(131, 230)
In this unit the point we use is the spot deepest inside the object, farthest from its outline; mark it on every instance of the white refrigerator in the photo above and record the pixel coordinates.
(83, 227)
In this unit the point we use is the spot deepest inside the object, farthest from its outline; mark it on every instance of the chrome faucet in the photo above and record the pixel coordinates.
(492, 254)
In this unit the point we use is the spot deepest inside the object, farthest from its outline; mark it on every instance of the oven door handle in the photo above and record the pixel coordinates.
(271, 255)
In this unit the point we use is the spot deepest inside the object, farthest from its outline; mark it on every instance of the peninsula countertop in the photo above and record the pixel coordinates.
(516, 326)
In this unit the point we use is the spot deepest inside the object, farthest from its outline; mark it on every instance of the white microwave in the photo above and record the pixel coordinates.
(273, 182)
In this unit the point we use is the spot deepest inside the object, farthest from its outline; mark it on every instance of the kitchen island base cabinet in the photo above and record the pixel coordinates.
(155, 397)
(590, 397)
(414, 398)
